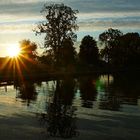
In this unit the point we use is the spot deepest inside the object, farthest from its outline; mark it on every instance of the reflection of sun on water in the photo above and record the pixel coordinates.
(13, 50)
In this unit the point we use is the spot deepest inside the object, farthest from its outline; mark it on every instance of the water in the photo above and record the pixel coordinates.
(101, 104)
(96, 93)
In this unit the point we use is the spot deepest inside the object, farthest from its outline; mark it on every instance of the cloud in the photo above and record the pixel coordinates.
(106, 15)
(22, 1)
(105, 23)
(101, 25)
(33, 6)
(18, 16)
(20, 8)
(104, 5)
(21, 28)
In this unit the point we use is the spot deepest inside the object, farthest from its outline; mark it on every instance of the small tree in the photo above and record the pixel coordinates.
(28, 49)
(68, 54)
(26, 61)
(88, 51)
(60, 24)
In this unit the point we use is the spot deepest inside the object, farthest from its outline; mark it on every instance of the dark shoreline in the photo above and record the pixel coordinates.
(40, 76)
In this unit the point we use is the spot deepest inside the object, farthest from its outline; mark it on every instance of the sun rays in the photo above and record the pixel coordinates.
(17, 64)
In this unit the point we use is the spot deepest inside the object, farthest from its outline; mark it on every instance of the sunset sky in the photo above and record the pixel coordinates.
(19, 17)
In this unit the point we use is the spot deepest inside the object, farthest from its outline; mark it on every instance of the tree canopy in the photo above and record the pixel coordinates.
(107, 38)
(60, 24)
(68, 53)
(28, 49)
(126, 51)
(88, 51)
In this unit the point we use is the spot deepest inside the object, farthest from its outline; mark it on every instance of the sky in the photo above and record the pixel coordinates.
(18, 18)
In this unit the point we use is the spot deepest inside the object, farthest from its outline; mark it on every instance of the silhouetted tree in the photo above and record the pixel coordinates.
(27, 60)
(126, 51)
(60, 24)
(88, 51)
(28, 49)
(107, 38)
(47, 58)
(68, 54)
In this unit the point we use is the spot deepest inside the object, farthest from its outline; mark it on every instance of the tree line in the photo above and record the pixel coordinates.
(115, 50)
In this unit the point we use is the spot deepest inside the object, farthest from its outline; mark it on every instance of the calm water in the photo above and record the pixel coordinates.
(85, 97)
(103, 93)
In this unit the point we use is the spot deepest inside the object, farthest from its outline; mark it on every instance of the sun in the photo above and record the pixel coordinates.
(13, 50)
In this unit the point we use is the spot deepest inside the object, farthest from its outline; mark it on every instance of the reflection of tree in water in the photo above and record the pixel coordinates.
(123, 90)
(61, 121)
(61, 117)
(110, 103)
(26, 91)
(88, 91)
(128, 87)
(109, 100)
(64, 92)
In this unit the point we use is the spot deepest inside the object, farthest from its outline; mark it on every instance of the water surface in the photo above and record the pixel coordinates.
(100, 104)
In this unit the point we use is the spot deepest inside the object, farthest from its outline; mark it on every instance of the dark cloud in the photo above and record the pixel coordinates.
(21, 8)
(104, 5)
(81, 5)
(33, 8)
